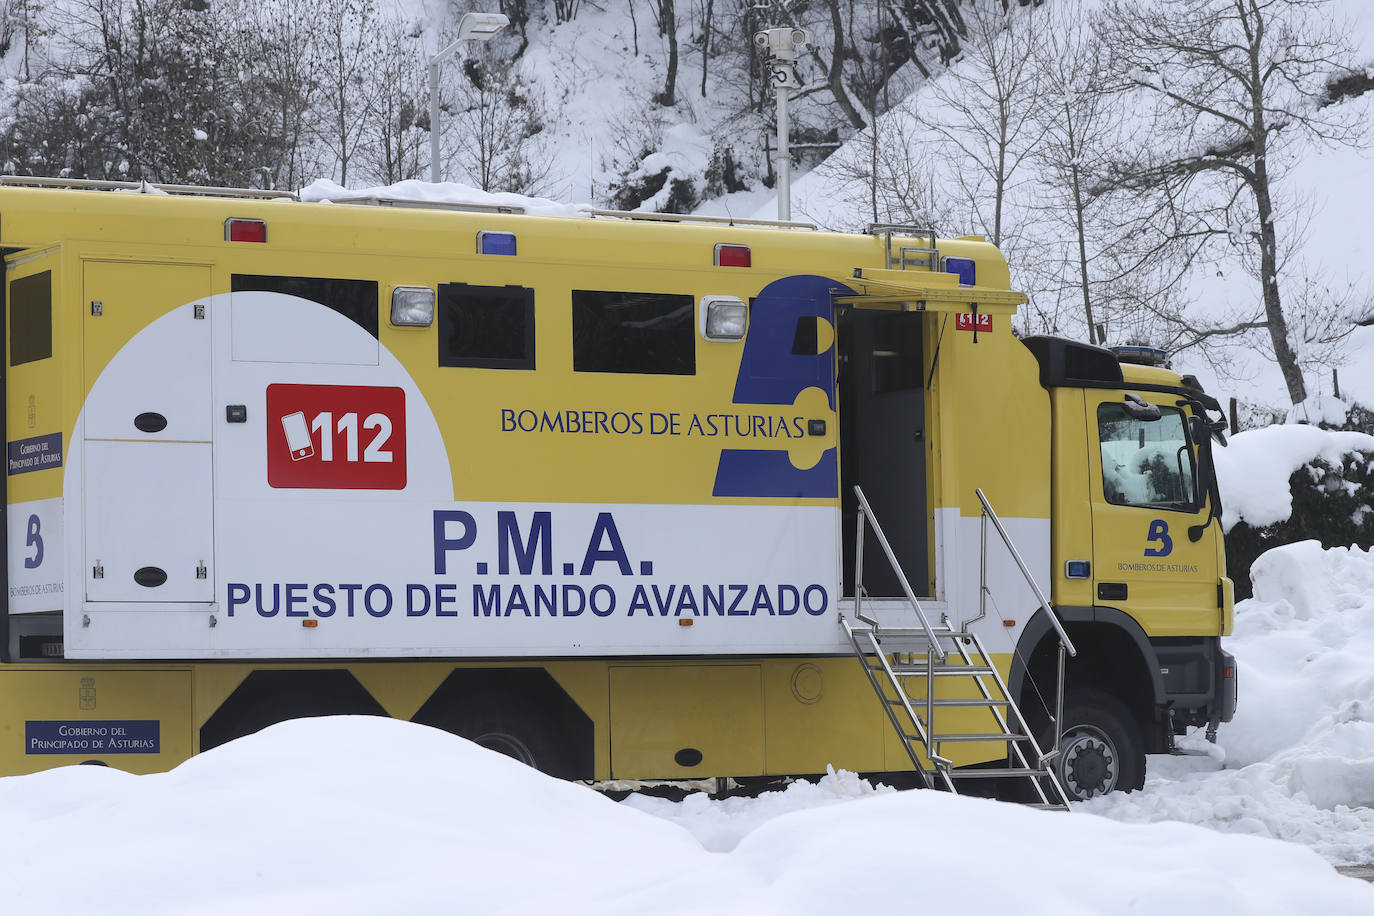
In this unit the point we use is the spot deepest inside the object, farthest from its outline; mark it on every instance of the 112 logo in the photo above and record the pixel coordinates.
(345, 437)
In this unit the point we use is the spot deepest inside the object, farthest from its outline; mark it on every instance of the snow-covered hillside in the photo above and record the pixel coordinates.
(1326, 224)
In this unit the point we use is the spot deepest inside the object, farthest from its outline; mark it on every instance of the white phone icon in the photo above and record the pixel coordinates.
(297, 435)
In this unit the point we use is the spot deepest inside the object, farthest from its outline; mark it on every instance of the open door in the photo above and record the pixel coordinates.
(882, 444)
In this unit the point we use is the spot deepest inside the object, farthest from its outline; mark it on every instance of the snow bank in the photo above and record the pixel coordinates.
(1299, 756)
(1254, 468)
(370, 815)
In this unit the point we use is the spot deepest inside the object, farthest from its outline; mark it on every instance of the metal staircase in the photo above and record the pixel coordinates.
(894, 657)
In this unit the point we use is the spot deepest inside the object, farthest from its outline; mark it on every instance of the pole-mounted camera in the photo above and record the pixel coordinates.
(783, 46)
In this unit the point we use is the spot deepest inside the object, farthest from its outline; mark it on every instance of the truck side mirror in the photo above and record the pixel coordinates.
(1139, 408)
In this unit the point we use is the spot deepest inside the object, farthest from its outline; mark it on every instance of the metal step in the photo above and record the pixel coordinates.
(890, 654)
(999, 773)
(941, 670)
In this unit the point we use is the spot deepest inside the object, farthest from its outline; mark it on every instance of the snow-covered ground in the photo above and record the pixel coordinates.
(367, 815)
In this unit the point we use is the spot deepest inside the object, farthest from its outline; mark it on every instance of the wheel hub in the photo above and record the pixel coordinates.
(508, 744)
(1090, 764)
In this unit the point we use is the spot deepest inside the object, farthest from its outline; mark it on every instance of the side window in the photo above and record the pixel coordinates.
(356, 300)
(1146, 462)
(651, 333)
(486, 327)
(31, 318)
(897, 360)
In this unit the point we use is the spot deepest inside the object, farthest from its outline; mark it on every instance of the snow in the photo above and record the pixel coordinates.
(1254, 468)
(448, 192)
(367, 815)
(1299, 755)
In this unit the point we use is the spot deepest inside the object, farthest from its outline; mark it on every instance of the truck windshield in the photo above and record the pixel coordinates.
(1146, 462)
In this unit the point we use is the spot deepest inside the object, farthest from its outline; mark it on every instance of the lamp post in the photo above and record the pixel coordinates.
(472, 27)
(782, 46)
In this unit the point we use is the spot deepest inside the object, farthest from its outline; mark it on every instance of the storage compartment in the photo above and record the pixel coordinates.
(686, 722)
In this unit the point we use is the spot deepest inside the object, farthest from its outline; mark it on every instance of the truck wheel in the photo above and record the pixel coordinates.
(1101, 750)
(518, 730)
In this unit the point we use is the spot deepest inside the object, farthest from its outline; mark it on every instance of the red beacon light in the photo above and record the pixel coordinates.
(732, 255)
(245, 230)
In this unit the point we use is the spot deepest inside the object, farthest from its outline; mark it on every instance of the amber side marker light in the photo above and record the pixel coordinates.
(684, 621)
(311, 624)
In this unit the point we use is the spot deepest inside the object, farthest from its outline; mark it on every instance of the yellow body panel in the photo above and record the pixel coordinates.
(86, 700)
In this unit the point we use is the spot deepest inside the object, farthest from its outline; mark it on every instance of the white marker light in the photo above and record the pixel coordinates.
(724, 318)
(412, 306)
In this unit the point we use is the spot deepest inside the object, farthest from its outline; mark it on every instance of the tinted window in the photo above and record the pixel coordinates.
(1145, 462)
(897, 359)
(487, 327)
(31, 318)
(356, 300)
(648, 333)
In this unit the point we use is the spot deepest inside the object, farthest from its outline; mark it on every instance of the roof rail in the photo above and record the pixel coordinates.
(375, 200)
(142, 187)
(695, 218)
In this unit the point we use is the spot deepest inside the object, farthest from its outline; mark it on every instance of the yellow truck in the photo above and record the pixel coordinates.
(622, 497)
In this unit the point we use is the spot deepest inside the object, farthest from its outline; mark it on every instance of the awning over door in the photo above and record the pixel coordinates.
(924, 291)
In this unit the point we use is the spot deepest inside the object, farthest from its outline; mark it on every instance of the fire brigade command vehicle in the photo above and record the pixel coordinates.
(627, 499)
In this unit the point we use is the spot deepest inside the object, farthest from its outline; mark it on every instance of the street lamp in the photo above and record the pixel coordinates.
(472, 27)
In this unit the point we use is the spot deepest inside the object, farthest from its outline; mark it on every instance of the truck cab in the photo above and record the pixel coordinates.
(1138, 566)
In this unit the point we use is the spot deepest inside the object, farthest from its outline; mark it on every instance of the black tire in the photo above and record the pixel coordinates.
(1102, 749)
(519, 730)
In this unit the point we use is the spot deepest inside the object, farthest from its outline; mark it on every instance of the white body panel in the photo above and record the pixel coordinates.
(36, 542)
(149, 505)
(409, 571)
(168, 372)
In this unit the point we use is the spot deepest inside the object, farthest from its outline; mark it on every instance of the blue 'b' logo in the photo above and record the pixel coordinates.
(1159, 531)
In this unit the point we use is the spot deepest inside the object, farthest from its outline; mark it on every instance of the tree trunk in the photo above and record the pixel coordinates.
(706, 43)
(668, 23)
(1075, 180)
(1264, 205)
(835, 76)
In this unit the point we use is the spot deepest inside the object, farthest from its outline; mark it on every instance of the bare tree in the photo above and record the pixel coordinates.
(890, 174)
(280, 56)
(1231, 84)
(347, 97)
(495, 127)
(988, 109)
(393, 145)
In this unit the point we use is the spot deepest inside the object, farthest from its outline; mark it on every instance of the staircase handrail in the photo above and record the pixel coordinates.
(866, 513)
(1030, 580)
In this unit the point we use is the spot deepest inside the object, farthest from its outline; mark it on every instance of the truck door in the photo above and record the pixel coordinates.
(1145, 496)
(146, 471)
(882, 420)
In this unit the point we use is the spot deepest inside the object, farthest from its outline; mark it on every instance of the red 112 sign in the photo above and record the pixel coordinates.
(964, 321)
(336, 437)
